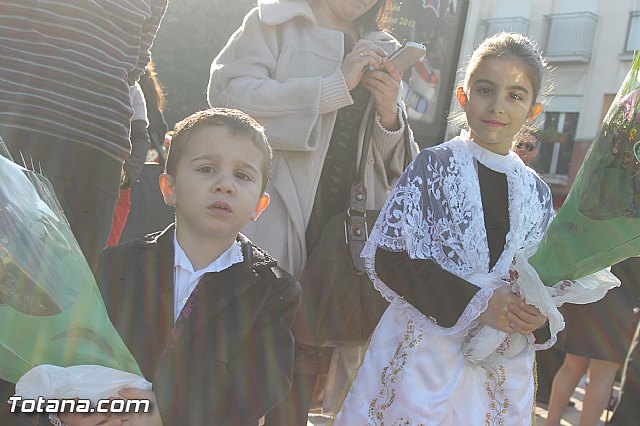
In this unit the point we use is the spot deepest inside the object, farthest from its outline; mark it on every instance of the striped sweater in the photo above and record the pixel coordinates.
(66, 67)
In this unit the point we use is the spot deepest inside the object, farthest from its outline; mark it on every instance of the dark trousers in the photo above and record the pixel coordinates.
(293, 410)
(86, 182)
(309, 362)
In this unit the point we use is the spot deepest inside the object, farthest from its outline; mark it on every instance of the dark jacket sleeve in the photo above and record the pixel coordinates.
(266, 358)
(432, 290)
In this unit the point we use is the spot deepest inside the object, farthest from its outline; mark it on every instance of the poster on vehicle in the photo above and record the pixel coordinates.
(429, 84)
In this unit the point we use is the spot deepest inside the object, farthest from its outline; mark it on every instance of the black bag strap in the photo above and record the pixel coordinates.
(356, 230)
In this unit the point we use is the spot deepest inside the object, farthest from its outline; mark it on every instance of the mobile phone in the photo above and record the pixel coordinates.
(407, 55)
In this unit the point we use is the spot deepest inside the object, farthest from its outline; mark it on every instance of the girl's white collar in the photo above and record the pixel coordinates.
(500, 163)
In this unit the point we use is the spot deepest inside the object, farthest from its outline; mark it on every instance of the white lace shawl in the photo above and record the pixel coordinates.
(435, 212)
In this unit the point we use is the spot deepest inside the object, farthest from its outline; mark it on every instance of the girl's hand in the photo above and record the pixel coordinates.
(364, 54)
(496, 313)
(384, 85)
(525, 319)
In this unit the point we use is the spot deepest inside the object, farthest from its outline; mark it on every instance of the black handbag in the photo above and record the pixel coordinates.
(339, 305)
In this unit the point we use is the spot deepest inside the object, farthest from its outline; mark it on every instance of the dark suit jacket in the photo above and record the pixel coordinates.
(228, 359)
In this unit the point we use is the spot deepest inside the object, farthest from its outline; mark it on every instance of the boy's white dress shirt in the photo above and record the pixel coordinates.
(185, 279)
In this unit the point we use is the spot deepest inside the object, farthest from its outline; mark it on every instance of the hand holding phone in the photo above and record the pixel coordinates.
(407, 55)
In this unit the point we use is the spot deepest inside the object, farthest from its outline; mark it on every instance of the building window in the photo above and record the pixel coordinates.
(516, 24)
(633, 33)
(569, 36)
(557, 139)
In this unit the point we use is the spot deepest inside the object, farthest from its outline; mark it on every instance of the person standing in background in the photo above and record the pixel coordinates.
(66, 68)
(628, 410)
(526, 145)
(133, 164)
(65, 108)
(154, 97)
(596, 341)
(147, 211)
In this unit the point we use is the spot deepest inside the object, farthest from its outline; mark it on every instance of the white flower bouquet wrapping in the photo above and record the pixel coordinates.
(56, 339)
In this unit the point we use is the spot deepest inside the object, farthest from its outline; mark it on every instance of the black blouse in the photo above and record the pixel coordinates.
(436, 292)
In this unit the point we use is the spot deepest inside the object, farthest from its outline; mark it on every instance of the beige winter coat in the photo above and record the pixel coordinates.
(284, 70)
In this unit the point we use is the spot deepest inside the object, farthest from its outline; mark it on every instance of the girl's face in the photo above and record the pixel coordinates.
(498, 102)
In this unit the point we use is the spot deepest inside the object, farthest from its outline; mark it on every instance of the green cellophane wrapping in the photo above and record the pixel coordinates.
(599, 223)
(51, 311)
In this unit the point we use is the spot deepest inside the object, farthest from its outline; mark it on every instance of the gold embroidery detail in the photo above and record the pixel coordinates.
(499, 400)
(387, 395)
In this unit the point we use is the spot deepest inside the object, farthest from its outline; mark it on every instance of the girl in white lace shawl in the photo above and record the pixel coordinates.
(443, 243)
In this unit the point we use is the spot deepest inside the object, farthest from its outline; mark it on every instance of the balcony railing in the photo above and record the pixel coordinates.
(569, 36)
(516, 24)
(633, 33)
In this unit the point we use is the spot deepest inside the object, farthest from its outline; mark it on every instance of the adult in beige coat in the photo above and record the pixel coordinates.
(284, 67)
(296, 66)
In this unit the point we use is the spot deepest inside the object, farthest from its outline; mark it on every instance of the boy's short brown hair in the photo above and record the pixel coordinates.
(236, 121)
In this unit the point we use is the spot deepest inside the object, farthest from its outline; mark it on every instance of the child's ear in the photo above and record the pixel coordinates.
(462, 98)
(262, 204)
(534, 110)
(167, 186)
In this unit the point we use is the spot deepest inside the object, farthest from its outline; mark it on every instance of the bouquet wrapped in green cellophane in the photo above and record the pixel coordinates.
(597, 226)
(599, 223)
(51, 313)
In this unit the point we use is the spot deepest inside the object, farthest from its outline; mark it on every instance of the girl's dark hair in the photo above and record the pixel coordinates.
(377, 17)
(510, 45)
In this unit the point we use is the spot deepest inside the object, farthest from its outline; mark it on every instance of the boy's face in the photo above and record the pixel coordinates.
(217, 184)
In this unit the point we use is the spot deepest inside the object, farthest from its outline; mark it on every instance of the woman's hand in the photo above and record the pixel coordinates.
(384, 86)
(365, 55)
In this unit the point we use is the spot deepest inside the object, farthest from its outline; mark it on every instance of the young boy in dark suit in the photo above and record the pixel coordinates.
(206, 314)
